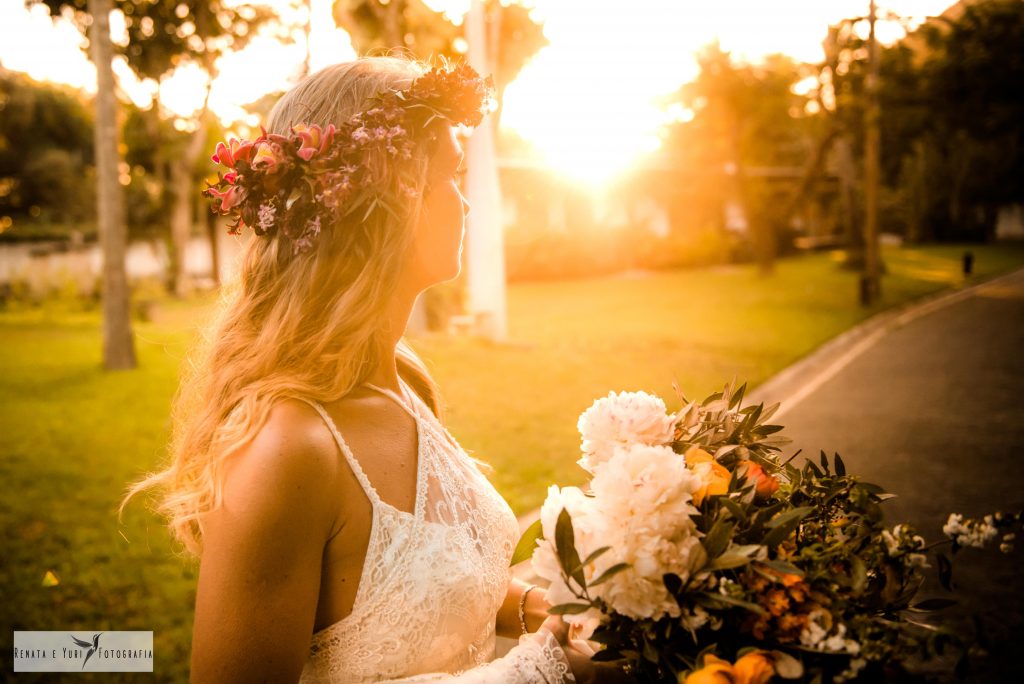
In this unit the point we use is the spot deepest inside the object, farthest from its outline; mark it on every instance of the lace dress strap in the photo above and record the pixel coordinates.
(371, 493)
(405, 401)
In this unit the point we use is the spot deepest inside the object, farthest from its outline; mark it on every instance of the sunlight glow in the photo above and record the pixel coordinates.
(589, 102)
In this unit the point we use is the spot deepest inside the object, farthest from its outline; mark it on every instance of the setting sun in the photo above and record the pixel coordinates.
(588, 102)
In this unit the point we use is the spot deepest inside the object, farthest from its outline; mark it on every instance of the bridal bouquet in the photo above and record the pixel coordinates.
(699, 555)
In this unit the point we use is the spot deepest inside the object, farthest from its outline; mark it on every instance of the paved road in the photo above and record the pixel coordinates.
(932, 410)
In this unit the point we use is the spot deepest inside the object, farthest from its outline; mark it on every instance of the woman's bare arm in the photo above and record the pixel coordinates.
(259, 577)
(535, 611)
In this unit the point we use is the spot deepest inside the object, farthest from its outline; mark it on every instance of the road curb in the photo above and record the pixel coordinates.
(793, 383)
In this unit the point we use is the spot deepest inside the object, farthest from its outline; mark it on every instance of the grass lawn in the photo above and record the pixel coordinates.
(72, 435)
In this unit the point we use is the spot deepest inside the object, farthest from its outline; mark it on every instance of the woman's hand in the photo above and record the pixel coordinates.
(579, 652)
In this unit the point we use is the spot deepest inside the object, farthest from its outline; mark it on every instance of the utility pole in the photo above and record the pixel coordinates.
(870, 283)
(484, 231)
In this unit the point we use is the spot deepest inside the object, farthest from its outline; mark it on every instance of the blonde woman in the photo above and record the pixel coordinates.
(342, 533)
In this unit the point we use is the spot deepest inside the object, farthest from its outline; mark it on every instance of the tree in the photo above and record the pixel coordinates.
(974, 77)
(118, 344)
(46, 154)
(744, 116)
(164, 35)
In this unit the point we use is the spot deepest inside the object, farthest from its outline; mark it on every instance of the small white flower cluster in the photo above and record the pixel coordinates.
(816, 636)
(969, 532)
(850, 673)
(901, 542)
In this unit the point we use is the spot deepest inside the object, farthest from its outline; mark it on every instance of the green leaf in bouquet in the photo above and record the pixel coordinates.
(714, 397)
(723, 450)
(815, 469)
(783, 525)
(735, 509)
(738, 397)
(783, 567)
(765, 430)
(706, 598)
(569, 609)
(871, 487)
(770, 411)
(609, 573)
(735, 557)
(824, 462)
(674, 584)
(565, 545)
(785, 518)
(717, 538)
(774, 442)
(594, 555)
(840, 466)
(606, 655)
(945, 571)
(762, 516)
(651, 653)
(527, 542)
(859, 573)
(929, 605)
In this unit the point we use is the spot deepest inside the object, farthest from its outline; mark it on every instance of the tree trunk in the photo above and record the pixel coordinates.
(182, 195)
(212, 233)
(118, 343)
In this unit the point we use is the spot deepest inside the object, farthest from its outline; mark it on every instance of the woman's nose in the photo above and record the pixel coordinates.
(465, 206)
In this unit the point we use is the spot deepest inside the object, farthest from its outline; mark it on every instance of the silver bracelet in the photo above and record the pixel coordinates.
(522, 607)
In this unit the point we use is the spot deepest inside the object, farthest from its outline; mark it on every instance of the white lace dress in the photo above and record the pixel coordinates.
(433, 580)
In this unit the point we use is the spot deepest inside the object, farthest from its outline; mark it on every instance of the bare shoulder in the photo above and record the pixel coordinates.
(261, 564)
(291, 462)
(364, 415)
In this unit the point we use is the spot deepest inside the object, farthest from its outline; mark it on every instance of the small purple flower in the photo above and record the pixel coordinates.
(305, 241)
(265, 217)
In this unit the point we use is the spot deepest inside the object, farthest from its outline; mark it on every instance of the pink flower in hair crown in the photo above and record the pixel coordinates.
(300, 183)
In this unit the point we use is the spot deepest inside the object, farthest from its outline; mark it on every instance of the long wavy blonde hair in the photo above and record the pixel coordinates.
(310, 325)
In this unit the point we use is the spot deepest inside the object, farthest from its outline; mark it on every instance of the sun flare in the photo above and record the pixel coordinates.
(588, 102)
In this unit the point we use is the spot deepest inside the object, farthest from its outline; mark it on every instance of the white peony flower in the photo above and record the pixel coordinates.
(640, 508)
(585, 539)
(621, 419)
(642, 501)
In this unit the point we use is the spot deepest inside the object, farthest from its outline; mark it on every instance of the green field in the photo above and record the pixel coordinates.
(72, 435)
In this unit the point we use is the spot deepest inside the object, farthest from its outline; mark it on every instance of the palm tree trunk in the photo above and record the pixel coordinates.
(118, 344)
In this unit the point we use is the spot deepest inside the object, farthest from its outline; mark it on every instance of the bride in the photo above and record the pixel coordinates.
(342, 534)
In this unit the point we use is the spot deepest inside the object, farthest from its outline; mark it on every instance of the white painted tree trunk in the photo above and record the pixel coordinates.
(484, 231)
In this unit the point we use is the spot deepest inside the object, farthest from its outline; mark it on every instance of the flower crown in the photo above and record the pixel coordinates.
(301, 182)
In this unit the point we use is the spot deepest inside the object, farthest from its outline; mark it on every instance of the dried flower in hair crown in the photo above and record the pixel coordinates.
(299, 183)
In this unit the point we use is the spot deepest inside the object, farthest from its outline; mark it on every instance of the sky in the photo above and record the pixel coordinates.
(606, 65)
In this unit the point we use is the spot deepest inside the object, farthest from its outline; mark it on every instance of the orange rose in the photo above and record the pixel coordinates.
(715, 671)
(764, 484)
(713, 474)
(755, 667)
